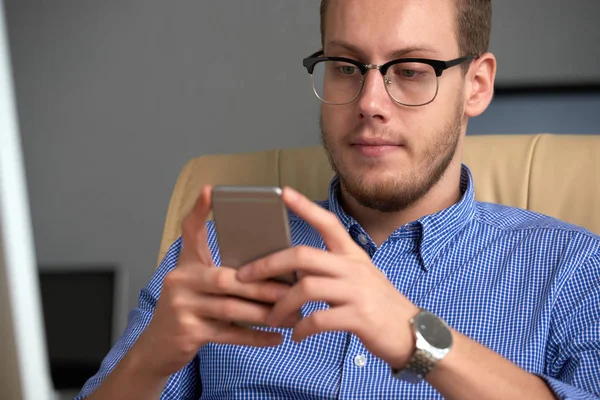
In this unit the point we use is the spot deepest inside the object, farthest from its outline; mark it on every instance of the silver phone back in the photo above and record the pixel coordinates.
(251, 222)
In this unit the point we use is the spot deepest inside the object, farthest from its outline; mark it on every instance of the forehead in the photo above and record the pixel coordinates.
(379, 28)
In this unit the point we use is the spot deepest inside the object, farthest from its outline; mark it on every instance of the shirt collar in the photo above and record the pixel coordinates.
(435, 231)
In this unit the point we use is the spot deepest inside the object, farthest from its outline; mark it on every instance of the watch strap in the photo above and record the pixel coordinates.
(426, 355)
(421, 363)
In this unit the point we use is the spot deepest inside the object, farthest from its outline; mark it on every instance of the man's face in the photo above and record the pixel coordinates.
(420, 141)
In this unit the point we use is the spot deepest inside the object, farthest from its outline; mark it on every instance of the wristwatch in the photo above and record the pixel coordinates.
(433, 342)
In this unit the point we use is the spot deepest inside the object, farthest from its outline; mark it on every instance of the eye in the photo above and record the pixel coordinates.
(408, 73)
(347, 69)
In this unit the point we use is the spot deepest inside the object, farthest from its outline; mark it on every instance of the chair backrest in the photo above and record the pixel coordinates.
(557, 175)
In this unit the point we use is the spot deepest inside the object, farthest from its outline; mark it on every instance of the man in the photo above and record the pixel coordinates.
(505, 301)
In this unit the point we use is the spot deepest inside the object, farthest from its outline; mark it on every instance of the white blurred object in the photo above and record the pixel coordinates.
(24, 372)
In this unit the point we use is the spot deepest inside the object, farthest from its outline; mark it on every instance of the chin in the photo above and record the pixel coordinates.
(393, 179)
(385, 191)
(388, 187)
(390, 168)
(382, 176)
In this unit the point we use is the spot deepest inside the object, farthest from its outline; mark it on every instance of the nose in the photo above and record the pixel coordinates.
(374, 102)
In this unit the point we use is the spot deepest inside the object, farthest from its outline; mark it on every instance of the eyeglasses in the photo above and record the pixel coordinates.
(409, 81)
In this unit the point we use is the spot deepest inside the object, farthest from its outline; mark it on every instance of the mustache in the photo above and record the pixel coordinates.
(363, 132)
(384, 132)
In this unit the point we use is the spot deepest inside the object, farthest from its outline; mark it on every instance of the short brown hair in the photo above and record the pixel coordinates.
(474, 25)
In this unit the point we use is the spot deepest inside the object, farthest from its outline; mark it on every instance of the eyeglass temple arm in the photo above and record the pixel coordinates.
(460, 60)
(309, 64)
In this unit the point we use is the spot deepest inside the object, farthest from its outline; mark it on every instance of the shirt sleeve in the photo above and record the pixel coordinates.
(181, 385)
(573, 356)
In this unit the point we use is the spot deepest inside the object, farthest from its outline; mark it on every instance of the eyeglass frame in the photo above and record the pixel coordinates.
(437, 65)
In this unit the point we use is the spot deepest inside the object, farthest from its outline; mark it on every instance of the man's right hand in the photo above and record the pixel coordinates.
(197, 305)
(199, 301)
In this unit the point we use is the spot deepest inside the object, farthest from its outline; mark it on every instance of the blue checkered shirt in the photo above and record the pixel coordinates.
(523, 284)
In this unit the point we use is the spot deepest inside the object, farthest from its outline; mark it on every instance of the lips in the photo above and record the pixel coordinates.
(371, 140)
(374, 142)
(375, 147)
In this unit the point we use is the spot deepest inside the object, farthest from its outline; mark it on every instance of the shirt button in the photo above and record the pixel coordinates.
(360, 360)
(363, 238)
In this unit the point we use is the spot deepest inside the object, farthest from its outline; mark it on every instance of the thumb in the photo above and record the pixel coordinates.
(194, 235)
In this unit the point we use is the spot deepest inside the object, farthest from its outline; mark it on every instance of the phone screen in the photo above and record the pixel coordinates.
(251, 222)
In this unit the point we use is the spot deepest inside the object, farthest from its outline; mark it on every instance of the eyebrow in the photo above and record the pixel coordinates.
(399, 53)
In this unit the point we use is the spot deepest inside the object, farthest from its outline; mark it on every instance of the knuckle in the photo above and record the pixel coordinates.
(317, 321)
(199, 235)
(254, 339)
(261, 265)
(302, 252)
(171, 280)
(262, 292)
(178, 303)
(187, 343)
(228, 309)
(270, 291)
(188, 225)
(221, 281)
(187, 347)
(185, 325)
(364, 313)
(307, 285)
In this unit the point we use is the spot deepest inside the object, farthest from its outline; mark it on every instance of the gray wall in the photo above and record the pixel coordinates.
(114, 96)
(546, 41)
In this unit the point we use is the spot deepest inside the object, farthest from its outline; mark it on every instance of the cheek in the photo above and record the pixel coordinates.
(432, 125)
(336, 120)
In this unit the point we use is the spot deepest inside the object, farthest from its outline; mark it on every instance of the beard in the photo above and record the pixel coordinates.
(400, 189)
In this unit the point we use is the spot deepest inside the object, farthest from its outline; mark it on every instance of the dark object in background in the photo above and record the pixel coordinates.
(78, 306)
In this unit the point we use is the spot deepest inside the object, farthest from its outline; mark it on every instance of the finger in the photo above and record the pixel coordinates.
(201, 213)
(304, 259)
(203, 203)
(333, 319)
(194, 233)
(310, 288)
(291, 320)
(223, 281)
(325, 222)
(232, 334)
(233, 309)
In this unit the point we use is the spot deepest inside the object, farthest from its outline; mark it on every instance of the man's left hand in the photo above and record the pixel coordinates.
(361, 299)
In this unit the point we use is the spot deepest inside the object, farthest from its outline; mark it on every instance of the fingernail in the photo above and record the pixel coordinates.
(274, 340)
(243, 273)
(291, 194)
(289, 322)
(296, 339)
(280, 292)
(270, 321)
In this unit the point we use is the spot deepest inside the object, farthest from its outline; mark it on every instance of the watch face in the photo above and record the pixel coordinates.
(433, 330)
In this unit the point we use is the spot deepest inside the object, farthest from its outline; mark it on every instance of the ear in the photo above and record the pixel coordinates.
(480, 84)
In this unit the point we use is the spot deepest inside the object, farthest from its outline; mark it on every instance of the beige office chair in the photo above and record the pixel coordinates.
(557, 175)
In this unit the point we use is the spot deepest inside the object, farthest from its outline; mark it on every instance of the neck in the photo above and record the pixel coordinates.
(379, 225)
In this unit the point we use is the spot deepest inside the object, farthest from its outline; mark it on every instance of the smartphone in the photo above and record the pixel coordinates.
(251, 222)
